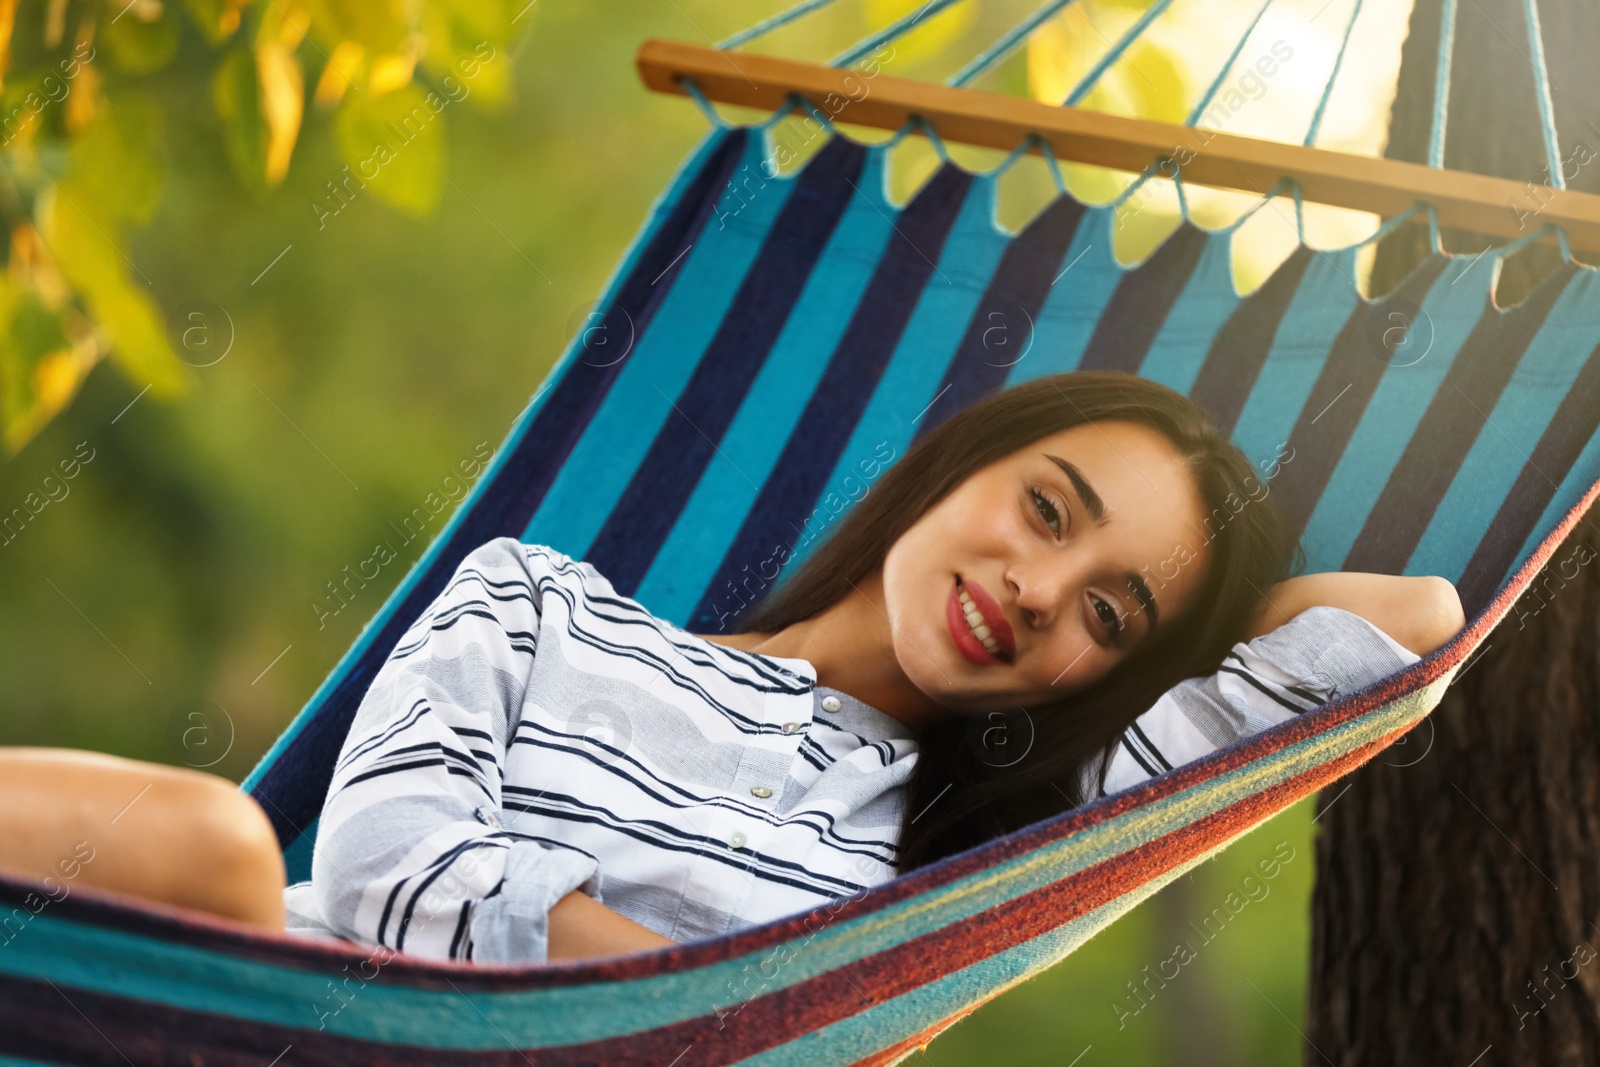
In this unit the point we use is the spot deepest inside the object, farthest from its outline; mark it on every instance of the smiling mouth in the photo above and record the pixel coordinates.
(980, 631)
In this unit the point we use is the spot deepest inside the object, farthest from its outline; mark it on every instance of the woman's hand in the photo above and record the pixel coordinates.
(580, 927)
(1420, 612)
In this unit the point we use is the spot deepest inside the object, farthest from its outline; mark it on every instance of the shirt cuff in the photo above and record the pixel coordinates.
(513, 925)
(1351, 652)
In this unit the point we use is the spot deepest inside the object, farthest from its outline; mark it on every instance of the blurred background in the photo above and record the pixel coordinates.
(229, 370)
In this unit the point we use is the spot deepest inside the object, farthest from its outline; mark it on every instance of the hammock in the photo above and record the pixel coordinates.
(762, 335)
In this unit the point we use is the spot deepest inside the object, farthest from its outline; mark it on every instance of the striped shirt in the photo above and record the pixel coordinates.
(534, 732)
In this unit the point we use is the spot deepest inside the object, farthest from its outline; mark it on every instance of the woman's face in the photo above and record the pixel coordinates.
(1070, 550)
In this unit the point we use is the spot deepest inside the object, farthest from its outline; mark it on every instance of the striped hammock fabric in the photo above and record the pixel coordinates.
(762, 336)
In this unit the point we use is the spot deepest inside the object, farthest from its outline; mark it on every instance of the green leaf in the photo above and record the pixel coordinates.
(139, 47)
(236, 91)
(394, 144)
(117, 158)
(79, 239)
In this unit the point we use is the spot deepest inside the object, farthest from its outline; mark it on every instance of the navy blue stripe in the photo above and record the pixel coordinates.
(1455, 416)
(643, 516)
(1139, 306)
(1340, 396)
(1573, 425)
(1001, 328)
(810, 455)
(292, 789)
(1237, 354)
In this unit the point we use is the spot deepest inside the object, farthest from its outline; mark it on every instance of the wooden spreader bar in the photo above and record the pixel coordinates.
(1495, 206)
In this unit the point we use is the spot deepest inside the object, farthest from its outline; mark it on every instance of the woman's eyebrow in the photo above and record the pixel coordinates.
(1090, 499)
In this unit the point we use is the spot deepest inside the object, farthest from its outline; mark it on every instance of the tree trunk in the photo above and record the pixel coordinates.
(1456, 913)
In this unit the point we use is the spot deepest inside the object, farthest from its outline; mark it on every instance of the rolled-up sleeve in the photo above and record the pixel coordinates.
(413, 850)
(1319, 655)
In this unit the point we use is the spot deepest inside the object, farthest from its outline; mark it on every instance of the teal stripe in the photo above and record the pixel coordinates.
(1321, 306)
(915, 370)
(698, 541)
(1085, 280)
(297, 857)
(117, 963)
(1199, 313)
(1547, 370)
(1449, 312)
(654, 373)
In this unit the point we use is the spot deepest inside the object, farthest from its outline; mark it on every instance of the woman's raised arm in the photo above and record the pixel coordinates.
(1421, 612)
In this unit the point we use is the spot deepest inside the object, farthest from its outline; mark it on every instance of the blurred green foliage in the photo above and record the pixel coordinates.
(84, 145)
(325, 339)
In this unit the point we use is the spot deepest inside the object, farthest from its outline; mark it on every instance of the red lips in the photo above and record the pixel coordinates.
(966, 642)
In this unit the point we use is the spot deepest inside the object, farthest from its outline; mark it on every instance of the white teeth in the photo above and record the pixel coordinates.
(979, 628)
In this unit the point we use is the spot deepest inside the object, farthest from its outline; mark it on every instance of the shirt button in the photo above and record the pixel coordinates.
(760, 791)
(736, 840)
(790, 727)
(830, 704)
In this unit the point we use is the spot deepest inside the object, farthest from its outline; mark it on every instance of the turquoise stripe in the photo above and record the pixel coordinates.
(1547, 370)
(297, 857)
(915, 371)
(489, 482)
(114, 962)
(1085, 279)
(663, 359)
(688, 559)
(1322, 304)
(1449, 312)
(1199, 313)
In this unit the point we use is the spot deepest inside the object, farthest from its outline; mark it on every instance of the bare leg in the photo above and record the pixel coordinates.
(169, 834)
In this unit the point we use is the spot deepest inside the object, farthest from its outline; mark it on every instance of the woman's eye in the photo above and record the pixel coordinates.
(1107, 614)
(1047, 510)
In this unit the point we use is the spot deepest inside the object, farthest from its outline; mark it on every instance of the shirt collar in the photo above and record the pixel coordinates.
(854, 715)
(860, 717)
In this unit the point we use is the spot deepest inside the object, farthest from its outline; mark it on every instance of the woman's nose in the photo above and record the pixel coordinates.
(1042, 588)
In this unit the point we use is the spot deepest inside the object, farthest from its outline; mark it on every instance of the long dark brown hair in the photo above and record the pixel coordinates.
(966, 789)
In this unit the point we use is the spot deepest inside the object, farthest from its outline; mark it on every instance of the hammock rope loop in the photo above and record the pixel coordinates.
(1541, 92)
(822, 117)
(688, 82)
(927, 128)
(1054, 165)
(1441, 82)
(1333, 76)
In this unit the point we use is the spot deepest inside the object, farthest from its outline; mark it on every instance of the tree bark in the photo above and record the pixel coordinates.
(1456, 913)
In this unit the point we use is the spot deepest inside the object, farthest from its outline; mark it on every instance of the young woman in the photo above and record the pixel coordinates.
(1047, 597)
